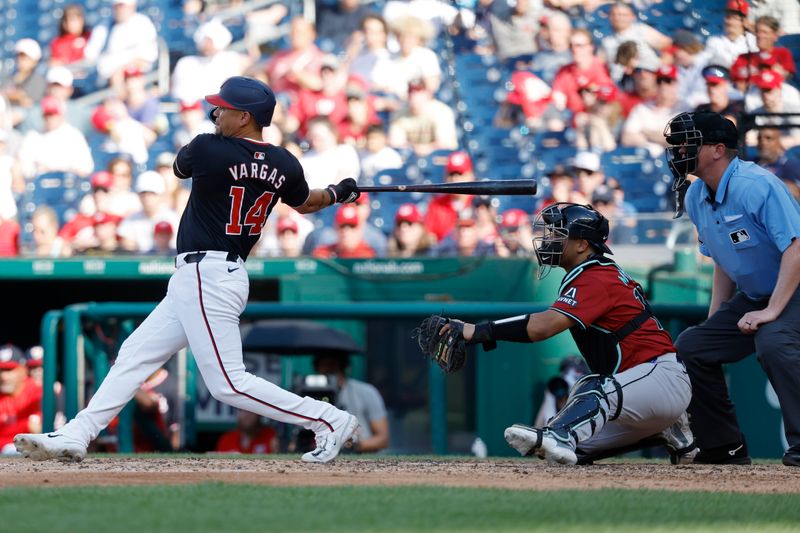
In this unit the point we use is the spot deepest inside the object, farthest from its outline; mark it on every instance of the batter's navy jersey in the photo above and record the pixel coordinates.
(235, 184)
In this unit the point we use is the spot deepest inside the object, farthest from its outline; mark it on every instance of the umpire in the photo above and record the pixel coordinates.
(749, 224)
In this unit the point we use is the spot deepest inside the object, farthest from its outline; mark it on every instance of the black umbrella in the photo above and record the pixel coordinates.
(296, 337)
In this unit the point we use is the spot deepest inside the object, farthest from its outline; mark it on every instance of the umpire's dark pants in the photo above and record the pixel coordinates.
(705, 348)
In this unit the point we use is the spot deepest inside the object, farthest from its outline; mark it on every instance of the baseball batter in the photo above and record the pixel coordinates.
(637, 390)
(237, 179)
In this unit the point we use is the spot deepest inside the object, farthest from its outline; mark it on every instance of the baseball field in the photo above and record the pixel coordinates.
(279, 493)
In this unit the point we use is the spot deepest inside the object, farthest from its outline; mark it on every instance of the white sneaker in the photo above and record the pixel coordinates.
(329, 443)
(680, 442)
(44, 446)
(542, 442)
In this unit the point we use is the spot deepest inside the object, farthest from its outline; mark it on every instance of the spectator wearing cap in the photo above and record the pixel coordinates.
(690, 59)
(328, 159)
(350, 243)
(377, 155)
(359, 114)
(329, 100)
(34, 361)
(298, 67)
(414, 60)
(424, 124)
(771, 84)
(645, 83)
(26, 85)
(443, 209)
(46, 242)
(192, 121)
(124, 134)
(250, 436)
(529, 102)
(106, 242)
(142, 106)
(562, 188)
(59, 85)
(269, 245)
(338, 21)
(512, 30)
(516, 234)
(137, 230)
(20, 398)
(621, 227)
(772, 156)
(588, 172)
(644, 127)
(78, 231)
(464, 241)
(61, 147)
(768, 56)
(290, 243)
(409, 236)
(132, 41)
(371, 235)
(597, 126)
(368, 56)
(625, 27)
(552, 41)
(719, 91)
(175, 187)
(735, 40)
(786, 12)
(198, 75)
(586, 69)
(163, 233)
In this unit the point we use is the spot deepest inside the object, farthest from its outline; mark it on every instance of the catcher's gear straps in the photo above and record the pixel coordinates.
(587, 402)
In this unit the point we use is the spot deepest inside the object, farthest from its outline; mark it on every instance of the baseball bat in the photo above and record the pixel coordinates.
(481, 188)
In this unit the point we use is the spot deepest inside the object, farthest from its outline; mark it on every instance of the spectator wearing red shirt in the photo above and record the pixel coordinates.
(20, 398)
(73, 36)
(299, 66)
(359, 113)
(645, 84)
(250, 436)
(327, 101)
(586, 69)
(350, 242)
(9, 238)
(443, 211)
(768, 56)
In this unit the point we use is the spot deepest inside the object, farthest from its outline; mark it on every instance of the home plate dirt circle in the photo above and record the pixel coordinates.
(387, 471)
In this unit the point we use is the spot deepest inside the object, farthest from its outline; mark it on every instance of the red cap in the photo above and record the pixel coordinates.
(768, 79)
(514, 218)
(458, 162)
(102, 119)
(287, 223)
(11, 357)
(191, 106)
(739, 6)
(102, 180)
(416, 85)
(163, 227)
(667, 72)
(131, 71)
(606, 93)
(347, 215)
(105, 218)
(767, 59)
(52, 106)
(465, 222)
(408, 213)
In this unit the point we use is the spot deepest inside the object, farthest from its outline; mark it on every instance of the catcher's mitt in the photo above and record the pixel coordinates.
(448, 350)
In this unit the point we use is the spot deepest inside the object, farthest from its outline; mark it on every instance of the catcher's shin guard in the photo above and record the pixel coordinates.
(587, 409)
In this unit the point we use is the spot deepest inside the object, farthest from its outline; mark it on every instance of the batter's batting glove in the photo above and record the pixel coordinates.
(345, 192)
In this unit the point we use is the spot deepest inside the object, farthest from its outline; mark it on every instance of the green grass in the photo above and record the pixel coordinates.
(221, 507)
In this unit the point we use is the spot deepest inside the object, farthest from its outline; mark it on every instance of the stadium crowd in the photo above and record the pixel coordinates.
(87, 138)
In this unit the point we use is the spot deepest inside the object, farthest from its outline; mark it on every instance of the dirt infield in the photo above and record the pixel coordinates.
(507, 474)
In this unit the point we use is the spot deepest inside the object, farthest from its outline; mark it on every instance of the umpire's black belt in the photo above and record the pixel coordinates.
(196, 257)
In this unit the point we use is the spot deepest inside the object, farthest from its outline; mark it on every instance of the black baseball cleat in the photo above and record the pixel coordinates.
(792, 456)
(730, 454)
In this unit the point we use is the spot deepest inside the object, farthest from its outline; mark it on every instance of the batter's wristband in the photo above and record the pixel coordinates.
(331, 193)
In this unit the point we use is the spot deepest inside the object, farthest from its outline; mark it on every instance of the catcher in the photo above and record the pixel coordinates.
(638, 390)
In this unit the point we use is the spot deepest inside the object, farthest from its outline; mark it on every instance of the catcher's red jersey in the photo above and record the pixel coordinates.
(599, 294)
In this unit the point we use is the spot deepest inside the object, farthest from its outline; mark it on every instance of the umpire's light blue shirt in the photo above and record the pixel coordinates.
(747, 226)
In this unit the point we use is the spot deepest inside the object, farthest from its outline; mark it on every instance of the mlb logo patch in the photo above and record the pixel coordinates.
(259, 155)
(739, 236)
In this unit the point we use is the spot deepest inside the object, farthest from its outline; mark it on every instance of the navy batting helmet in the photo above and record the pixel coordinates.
(246, 94)
(557, 223)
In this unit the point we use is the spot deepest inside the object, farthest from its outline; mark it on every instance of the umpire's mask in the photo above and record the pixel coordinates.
(684, 141)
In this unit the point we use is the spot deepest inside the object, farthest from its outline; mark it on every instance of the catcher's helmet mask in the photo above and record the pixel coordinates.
(557, 223)
(245, 94)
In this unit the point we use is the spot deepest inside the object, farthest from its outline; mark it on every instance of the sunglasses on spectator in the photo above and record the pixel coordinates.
(347, 226)
(579, 45)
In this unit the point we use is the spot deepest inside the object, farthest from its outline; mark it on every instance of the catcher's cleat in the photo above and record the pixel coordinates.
(541, 442)
(44, 446)
(329, 443)
(679, 441)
